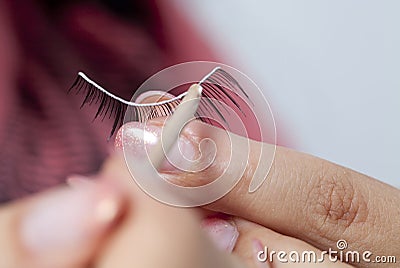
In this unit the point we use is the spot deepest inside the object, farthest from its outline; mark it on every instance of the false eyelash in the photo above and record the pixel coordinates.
(218, 84)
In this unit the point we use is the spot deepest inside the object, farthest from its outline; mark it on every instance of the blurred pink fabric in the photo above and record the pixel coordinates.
(44, 135)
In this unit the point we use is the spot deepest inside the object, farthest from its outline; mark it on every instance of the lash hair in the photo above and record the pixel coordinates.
(218, 85)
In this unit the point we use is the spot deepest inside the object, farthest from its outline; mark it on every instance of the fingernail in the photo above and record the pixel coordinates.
(138, 139)
(259, 254)
(134, 135)
(69, 217)
(152, 96)
(223, 233)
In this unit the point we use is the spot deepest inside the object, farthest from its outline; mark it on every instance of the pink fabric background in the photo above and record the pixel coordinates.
(43, 134)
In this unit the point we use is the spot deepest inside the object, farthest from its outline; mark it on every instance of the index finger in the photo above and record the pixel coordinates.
(305, 197)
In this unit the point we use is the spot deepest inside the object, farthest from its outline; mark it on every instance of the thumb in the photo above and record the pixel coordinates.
(57, 228)
(159, 235)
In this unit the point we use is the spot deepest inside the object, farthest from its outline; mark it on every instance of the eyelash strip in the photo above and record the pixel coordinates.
(218, 85)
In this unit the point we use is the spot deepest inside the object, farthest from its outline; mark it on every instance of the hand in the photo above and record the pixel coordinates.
(106, 223)
(307, 202)
(152, 234)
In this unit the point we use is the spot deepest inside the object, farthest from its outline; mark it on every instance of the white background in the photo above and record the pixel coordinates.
(330, 70)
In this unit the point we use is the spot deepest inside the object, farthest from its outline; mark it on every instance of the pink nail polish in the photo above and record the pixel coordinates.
(138, 140)
(222, 232)
(153, 96)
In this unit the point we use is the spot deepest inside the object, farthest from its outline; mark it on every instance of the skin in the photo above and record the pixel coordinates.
(326, 202)
(310, 199)
(305, 203)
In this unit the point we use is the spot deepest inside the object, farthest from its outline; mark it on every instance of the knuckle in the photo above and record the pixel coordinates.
(336, 203)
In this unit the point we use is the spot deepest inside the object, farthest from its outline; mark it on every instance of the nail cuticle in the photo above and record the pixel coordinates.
(223, 232)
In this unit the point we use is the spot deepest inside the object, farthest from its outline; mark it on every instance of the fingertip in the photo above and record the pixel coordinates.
(151, 96)
(61, 227)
